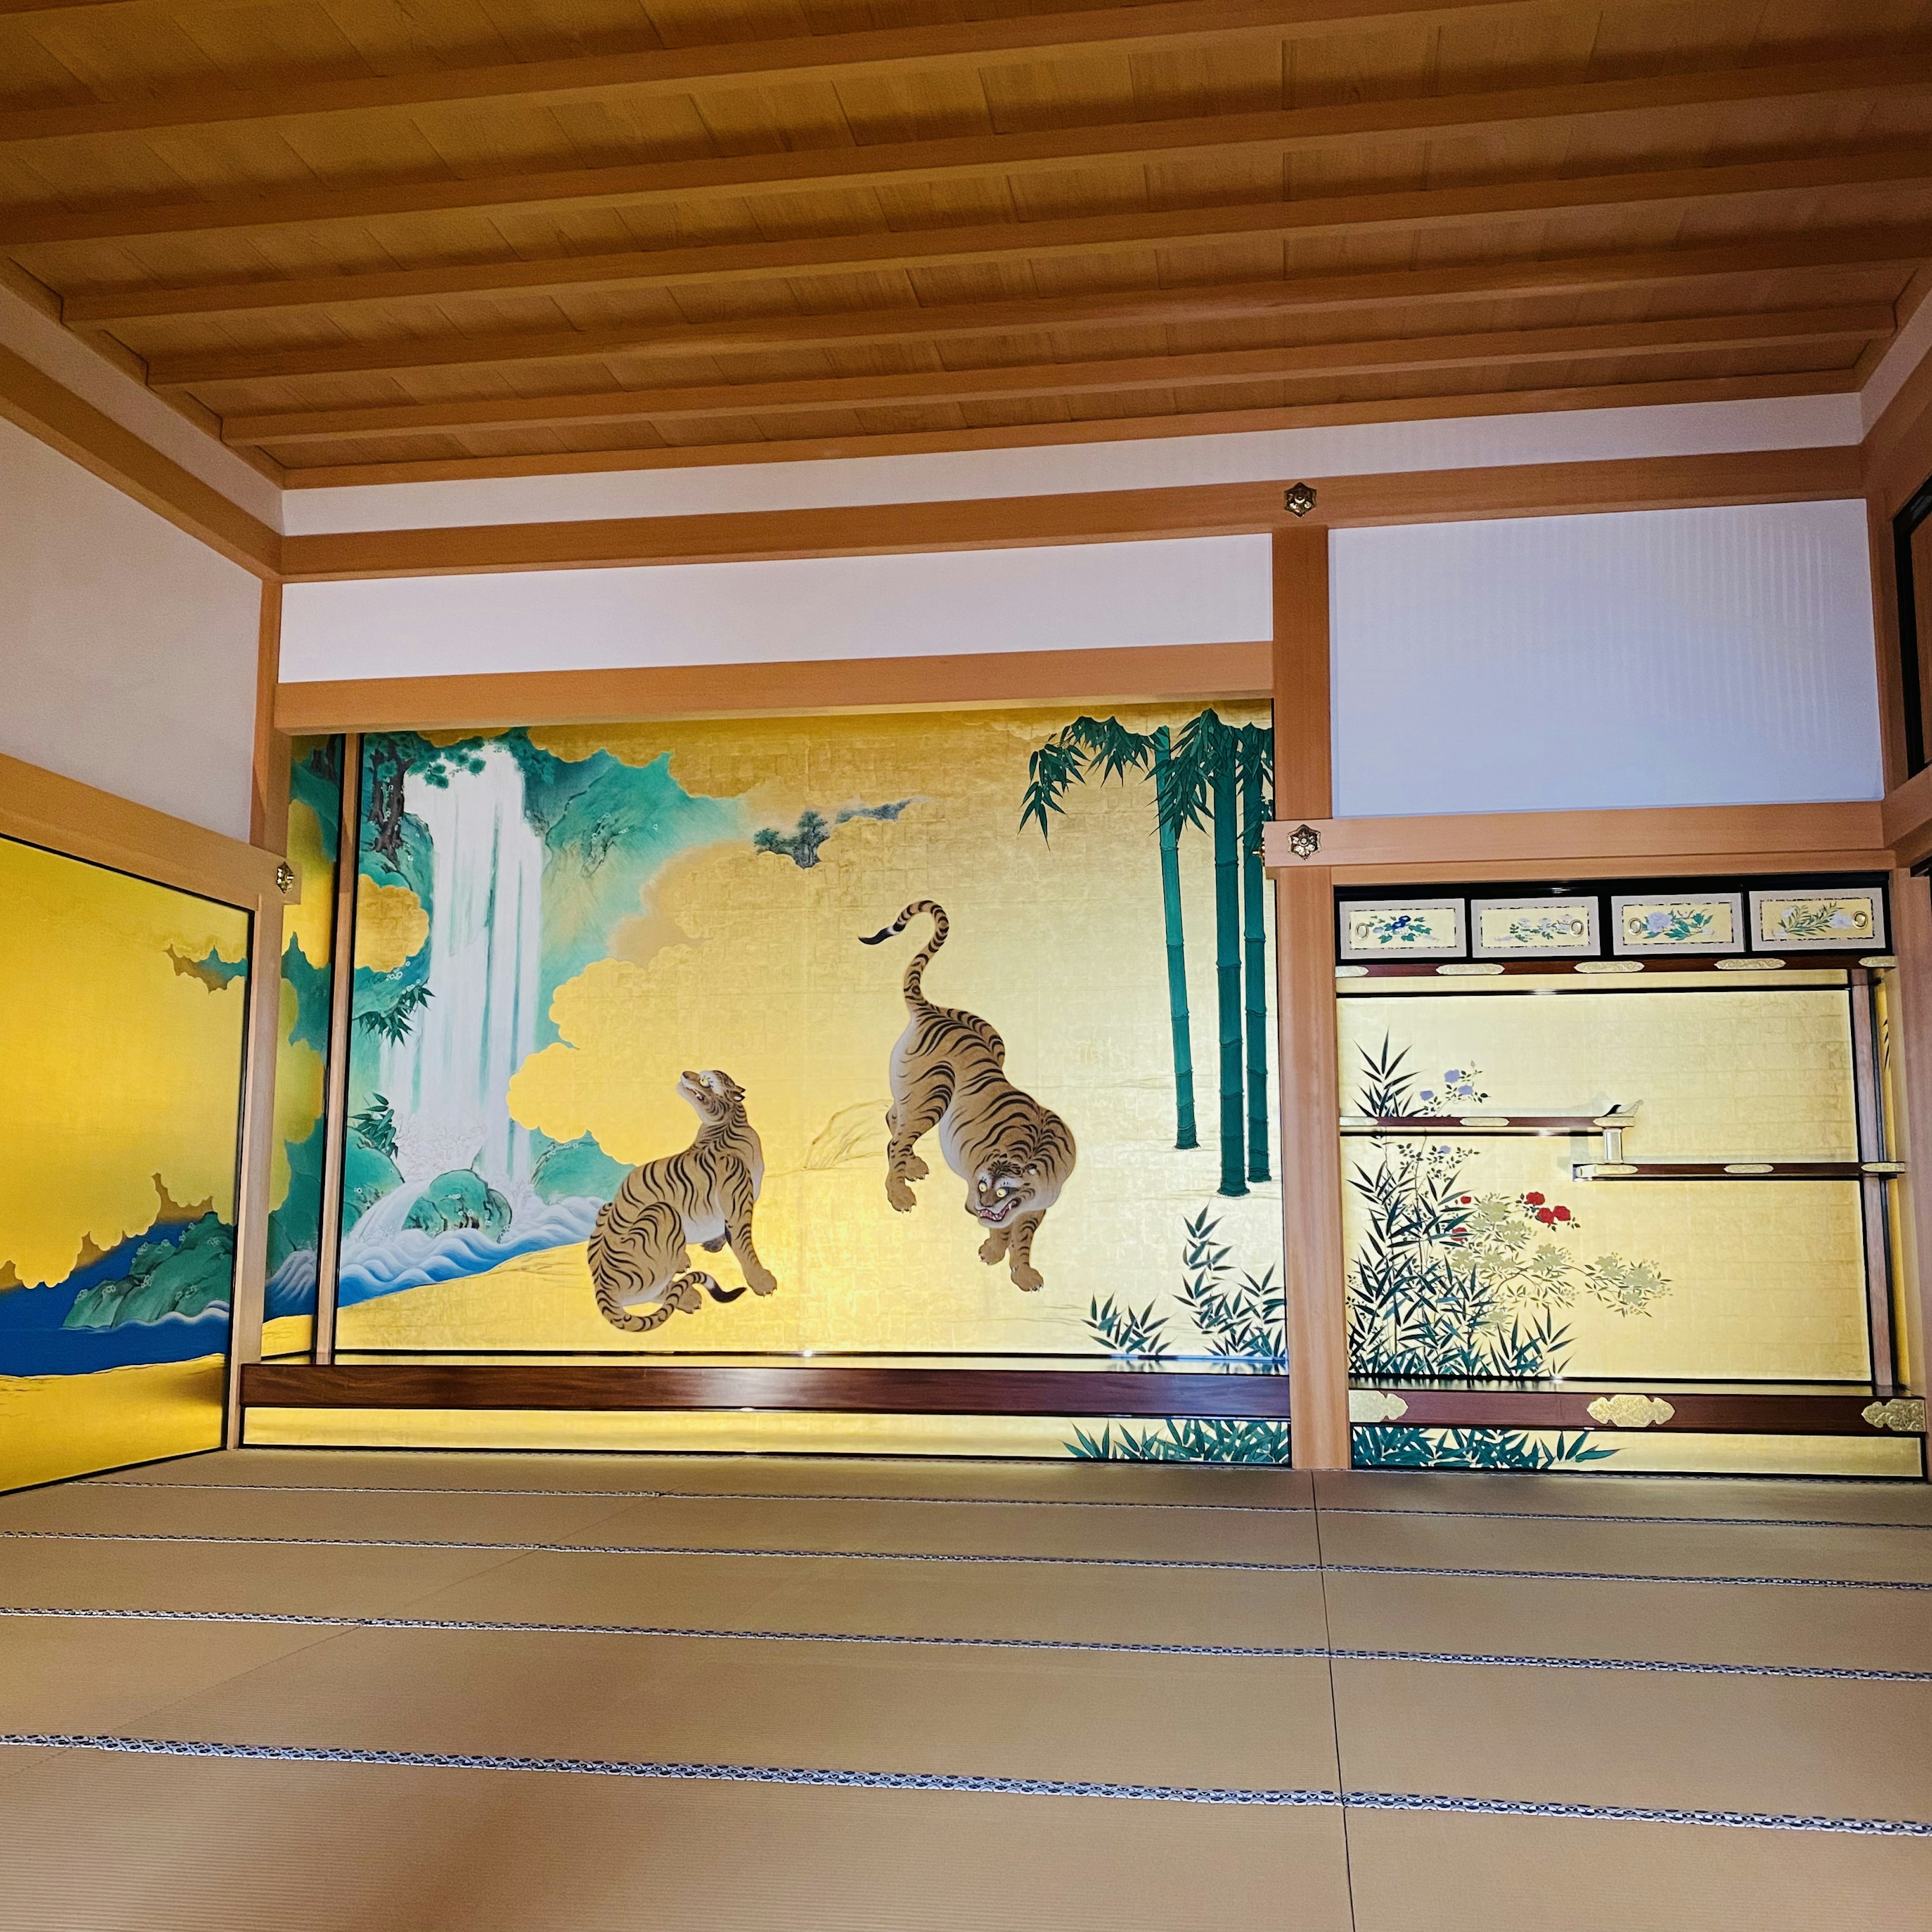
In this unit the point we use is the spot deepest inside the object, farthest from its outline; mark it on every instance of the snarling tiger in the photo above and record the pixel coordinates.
(705, 1194)
(949, 1071)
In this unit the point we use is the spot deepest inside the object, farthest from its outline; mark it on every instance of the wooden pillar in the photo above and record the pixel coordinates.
(335, 1100)
(1911, 1047)
(258, 1131)
(1311, 1176)
(268, 801)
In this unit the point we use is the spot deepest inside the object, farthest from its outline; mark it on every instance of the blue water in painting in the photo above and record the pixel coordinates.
(410, 1258)
(33, 1342)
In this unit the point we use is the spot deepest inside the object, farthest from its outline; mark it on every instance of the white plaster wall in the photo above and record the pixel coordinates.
(1203, 590)
(1664, 658)
(127, 648)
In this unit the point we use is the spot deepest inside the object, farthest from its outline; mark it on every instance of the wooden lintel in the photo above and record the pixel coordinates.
(1145, 674)
(1100, 516)
(1734, 837)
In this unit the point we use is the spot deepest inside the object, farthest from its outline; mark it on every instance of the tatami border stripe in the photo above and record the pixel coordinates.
(950, 1781)
(319, 1621)
(1636, 1814)
(1584, 1516)
(1621, 1576)
(733, 1773)
(641, 1549)
(955, 1556)
(1833, 1673)
(712, 1496)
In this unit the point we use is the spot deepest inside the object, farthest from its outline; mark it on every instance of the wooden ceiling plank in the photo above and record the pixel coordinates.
(678, 183)
(1858, 324)
(1536, 198)
(1181, 21)
(1162, 307)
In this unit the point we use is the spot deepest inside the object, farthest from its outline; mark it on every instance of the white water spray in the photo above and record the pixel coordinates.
(449, 1080)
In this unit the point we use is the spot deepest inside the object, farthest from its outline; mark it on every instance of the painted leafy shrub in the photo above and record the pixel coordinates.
(1238, 1318)
(1452, 1284)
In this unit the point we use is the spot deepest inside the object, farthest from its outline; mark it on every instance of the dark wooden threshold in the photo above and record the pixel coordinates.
(1730, 1413)
(852, 1391)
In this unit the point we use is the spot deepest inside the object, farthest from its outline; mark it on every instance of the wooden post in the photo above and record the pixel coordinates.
(335, 1100)
(1911, 1045)
(1311, 1167)
(268, 801)
(258, 1131)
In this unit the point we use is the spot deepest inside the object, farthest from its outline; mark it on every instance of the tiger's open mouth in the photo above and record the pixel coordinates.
(997, 1212)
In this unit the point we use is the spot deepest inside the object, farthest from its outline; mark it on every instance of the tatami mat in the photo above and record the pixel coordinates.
(1592, 1737)
(533, 1692)
(1526, 1493)
(94, 1844)
(1456, 1872)
(1079, 1483)
(913, 1525)
(1553, 1544)
(1251, 1723)
(1696, 1623)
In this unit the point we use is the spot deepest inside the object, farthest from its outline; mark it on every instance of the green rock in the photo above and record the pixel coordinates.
(461, 1199)
(577, 1169)
(165, 1278)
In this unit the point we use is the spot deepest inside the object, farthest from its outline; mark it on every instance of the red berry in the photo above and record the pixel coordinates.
(1463, 1201)
(1544, 1215)
(1533, 1200)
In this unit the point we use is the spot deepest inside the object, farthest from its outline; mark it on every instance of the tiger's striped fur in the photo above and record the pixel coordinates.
(949, 1071)
(705, 1194)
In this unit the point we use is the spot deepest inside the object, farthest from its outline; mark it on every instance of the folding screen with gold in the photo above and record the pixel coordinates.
(121, 1017)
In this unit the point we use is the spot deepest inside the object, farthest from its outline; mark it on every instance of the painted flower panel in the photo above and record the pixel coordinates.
(1551, 928)
(1819, 921)
(1712, 922)
(1378, 929)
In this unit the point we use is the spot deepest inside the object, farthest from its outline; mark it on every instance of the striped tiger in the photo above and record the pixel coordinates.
(705, 1194)
(949, 1071)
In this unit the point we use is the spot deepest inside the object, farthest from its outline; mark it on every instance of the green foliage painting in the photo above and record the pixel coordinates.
(1451, 1284)
(1239, 1320)
(1218, 778)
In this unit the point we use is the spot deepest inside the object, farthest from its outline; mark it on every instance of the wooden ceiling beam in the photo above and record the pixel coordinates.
(896, 163)
(1536, 195)
(938, 45)
(1161, 307)
(1858, 323)
(1114, 516)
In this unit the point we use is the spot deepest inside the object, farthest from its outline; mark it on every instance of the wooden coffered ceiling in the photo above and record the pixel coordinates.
(380, 240)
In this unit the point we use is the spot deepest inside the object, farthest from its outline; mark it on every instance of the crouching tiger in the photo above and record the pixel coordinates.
(705, 1194)
(949, 1071)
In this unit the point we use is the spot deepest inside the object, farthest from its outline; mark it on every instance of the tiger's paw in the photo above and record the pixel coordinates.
(715, 1247)
(686, 1298)
(761, 1283)
(900, 1195)
(993, 1249)
(915, 1168)
(1027, 1278)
